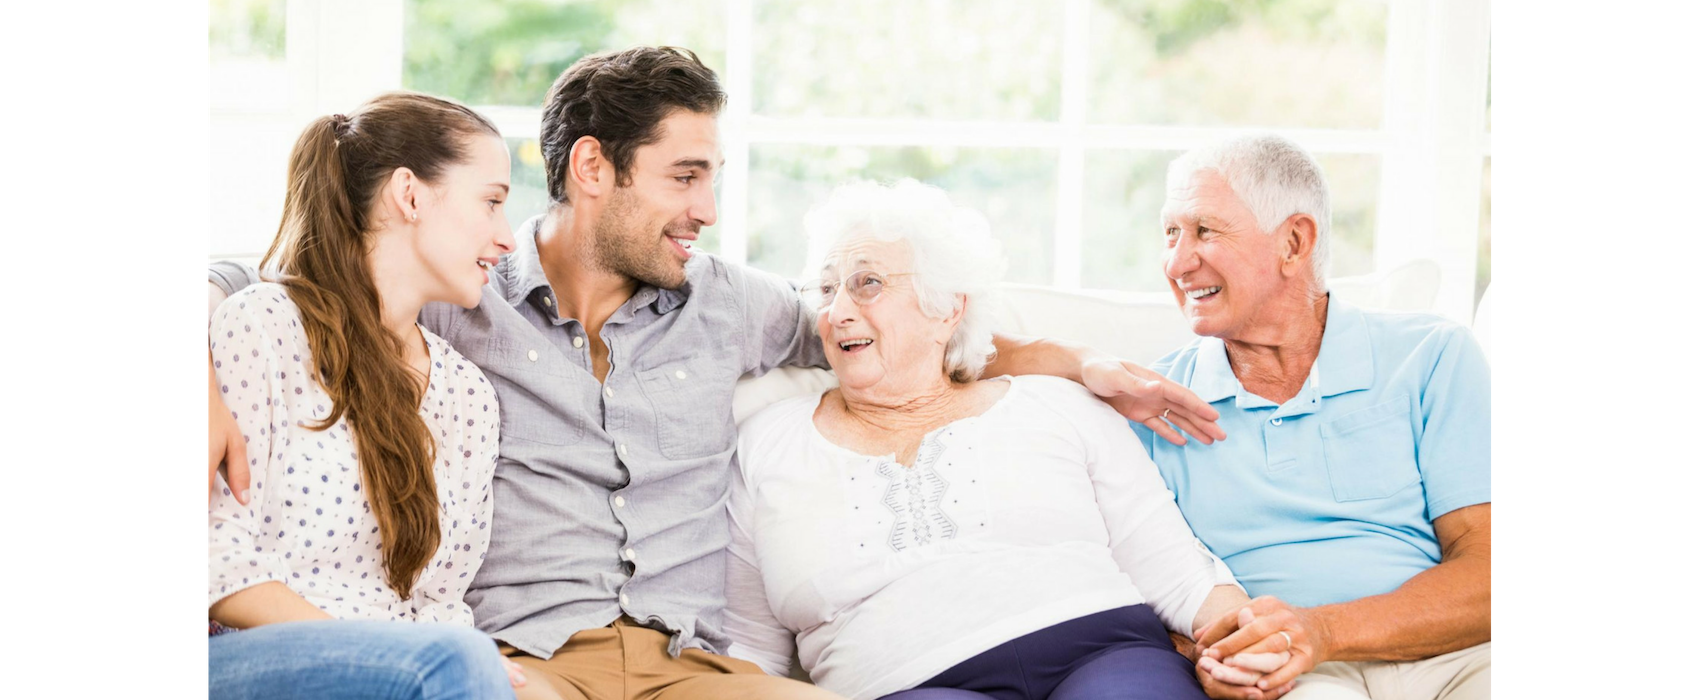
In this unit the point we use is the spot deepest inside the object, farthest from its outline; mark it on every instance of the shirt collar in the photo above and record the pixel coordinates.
(523, 272)
(1344, 363)
(1212, 378)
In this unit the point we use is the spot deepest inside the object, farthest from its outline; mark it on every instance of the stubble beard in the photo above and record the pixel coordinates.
(620, 246)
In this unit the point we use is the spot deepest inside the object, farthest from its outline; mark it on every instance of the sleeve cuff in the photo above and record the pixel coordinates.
(231, 276)
(1446, 504)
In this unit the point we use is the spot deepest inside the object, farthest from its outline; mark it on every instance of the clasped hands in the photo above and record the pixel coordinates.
(1256, 651)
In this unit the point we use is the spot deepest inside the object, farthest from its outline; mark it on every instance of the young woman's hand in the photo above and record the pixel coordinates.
(516, 673)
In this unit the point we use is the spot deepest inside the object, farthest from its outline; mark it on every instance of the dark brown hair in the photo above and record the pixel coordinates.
(620, 99)
(336, 171)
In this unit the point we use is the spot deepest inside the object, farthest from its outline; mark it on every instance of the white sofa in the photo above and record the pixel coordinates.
(1138, 327)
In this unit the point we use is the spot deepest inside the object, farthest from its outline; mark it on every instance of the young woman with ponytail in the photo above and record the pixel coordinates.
(370, 442)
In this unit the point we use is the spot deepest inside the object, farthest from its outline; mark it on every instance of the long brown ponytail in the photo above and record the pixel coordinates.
(335, 172)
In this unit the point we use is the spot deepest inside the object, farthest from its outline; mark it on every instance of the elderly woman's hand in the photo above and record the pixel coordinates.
(1226, 682)
(1152, 400)
(1262, 631)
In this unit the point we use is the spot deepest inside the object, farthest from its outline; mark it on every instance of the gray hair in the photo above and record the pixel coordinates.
(1274, 177)
(954, 254)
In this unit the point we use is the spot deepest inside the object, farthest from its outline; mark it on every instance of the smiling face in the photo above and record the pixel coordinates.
(1224, 269)
(645, 231)
(462, 230)
(888, 346)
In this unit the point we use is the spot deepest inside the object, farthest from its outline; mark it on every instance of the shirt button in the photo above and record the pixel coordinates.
(531, 355)
(578, 341)
(625, 600)
(547, 302)
(680, 374)
(1275, 421)
(622, 449)
(608, 391)
(619, 501)
(630, 554)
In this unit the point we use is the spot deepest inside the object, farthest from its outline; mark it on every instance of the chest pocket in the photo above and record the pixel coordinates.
(692, 405)
(534, 394)
(1371, 453)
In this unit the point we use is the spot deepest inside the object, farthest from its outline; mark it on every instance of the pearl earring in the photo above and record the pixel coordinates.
(413, 217)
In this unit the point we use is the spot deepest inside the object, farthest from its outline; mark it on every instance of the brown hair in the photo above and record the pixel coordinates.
(620, 98)
(335, 173)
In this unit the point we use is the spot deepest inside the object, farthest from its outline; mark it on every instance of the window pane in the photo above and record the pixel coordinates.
(944, 59)
(529, 195)
(1122, 244)
(1354, 180)
(1292, 63)
(1014, 188)
(250, 161)
(246, 48)
(508, 52)
(1484, 237)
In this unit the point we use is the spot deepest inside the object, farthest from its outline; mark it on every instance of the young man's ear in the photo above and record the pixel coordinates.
(585, 166)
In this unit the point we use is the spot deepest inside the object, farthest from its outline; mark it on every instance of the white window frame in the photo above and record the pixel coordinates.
(1431, 142)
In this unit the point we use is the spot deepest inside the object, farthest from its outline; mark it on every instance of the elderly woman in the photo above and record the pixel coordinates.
(920, 532)
(1362, 519)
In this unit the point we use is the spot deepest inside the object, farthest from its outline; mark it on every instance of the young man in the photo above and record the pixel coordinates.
(615, 349)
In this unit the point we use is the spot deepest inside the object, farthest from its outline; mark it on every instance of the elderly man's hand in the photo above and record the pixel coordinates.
(1152, 400)
(1249, 636)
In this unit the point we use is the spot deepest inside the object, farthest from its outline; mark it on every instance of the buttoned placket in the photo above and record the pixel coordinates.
(1286, 434)
(614, 422)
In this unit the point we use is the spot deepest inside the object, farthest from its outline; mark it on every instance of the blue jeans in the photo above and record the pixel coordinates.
(336, 659)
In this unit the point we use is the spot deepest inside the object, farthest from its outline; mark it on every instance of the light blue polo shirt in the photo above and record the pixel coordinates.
(1330, 496)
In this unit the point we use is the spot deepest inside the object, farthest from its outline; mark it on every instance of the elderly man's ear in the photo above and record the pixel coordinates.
(1298, 243)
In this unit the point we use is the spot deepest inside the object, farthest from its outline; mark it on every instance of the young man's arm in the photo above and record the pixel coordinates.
(785, 326)
(225, 446)
(1139, 394)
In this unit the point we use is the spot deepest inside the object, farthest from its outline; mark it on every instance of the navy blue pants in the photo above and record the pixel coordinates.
(1123, 653)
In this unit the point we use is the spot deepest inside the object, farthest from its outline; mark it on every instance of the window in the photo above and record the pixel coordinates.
(1056, 120)
(251, 129)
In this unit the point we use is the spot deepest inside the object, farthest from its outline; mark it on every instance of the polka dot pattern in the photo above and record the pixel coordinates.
(308, 523)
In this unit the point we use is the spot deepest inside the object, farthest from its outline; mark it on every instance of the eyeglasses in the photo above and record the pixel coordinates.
(864, 286)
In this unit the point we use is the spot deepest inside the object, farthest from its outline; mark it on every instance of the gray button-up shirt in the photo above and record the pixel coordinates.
(610, 497)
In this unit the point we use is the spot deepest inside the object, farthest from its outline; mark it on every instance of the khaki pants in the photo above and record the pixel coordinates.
(624, 661)
(1461, 675)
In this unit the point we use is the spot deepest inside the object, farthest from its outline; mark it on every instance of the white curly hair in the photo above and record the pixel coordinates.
(956, 260)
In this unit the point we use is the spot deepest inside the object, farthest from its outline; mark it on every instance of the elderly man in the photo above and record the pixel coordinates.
(1352, 496)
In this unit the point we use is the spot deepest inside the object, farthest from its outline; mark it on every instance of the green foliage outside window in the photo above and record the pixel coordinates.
(508, 52)
(246, 29)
